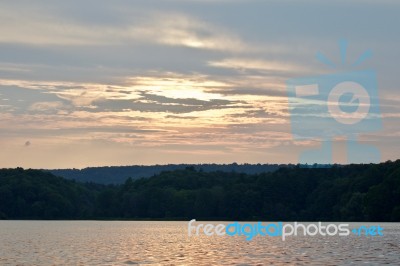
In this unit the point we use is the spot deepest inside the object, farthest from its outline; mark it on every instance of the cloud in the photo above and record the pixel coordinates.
(182, 30)
(250, 91)
(173, 29)
(181, 117)
(5, 68)
(257, 64)
(156, 103)
(44, 29)
(47, 106)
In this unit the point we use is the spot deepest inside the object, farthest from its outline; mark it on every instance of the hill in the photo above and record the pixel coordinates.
(118, 174)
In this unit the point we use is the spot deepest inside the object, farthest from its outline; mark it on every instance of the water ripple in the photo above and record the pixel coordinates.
(167, 243)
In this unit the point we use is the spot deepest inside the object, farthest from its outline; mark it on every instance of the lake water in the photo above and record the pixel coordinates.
(168, 243)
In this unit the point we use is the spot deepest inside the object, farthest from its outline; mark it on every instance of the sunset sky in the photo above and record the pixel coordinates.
(93, 83)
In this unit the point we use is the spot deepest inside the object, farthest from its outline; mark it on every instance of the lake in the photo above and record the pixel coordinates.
(168, 243)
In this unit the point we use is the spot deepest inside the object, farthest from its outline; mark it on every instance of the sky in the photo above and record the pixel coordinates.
(96, 83)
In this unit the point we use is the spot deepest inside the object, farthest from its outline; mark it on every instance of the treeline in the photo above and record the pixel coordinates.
(364, 192)
(118, 174)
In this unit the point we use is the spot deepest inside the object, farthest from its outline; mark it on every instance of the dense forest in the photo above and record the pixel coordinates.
(118, 174)
(363, 192)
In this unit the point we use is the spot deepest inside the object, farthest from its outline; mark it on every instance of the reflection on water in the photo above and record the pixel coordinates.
(167, 243)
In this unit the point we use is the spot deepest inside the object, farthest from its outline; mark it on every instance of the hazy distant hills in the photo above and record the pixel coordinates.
(118, 174)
